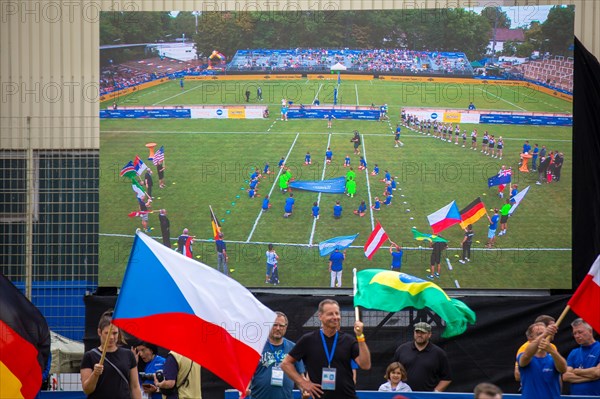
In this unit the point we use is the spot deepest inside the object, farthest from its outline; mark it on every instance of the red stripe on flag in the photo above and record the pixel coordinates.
(210, 345)
(21, 358)
(376, 239)
(443, 225)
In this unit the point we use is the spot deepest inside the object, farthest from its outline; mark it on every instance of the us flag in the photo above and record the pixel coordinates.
(159, 156)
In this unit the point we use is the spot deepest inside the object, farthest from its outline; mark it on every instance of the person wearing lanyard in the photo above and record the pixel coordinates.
(327, 355)
(269, 381)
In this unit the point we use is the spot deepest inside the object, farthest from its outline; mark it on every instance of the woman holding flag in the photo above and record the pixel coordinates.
(119, 378)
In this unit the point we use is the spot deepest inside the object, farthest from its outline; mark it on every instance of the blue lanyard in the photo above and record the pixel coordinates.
(327, 354)
(277, 361)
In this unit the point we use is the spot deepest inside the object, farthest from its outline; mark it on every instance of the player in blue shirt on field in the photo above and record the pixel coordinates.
(514, 191)
(388, 200)
(307, 160)
(253, 183)
(251, 193)
(362, 209)
(281, 163)
(266, 204)
(375, 171)
(266, 170)
(376, 204)
(337, 210)
(388, 190)
(363, 164)
(387, 177)
(397, 136)
(492, 229)
(315, 210)
(328, 155)
(396, 252)
(289, 206)
(393, 184)
(347, 161)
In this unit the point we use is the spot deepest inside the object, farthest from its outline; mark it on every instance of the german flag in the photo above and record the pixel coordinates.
(216, 226)
(24, 344)
(472, 213)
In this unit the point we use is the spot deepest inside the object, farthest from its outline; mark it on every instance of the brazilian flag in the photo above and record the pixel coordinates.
(392, 291)
(24, 344)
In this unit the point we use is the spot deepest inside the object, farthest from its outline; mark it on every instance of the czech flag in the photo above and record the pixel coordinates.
(201, 313)
(376, 239)
(586, 300)
(24, 344)
(442, 219)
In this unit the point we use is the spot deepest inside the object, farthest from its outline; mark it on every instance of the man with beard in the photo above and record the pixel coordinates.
(426, 363)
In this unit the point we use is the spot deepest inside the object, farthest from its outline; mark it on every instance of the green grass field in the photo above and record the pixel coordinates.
(209, 161)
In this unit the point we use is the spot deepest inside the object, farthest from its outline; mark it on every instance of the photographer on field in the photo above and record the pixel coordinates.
(182, 378)
(150, 363)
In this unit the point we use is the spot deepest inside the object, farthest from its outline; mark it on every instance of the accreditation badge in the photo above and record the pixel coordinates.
(276, 376)
(328, 379)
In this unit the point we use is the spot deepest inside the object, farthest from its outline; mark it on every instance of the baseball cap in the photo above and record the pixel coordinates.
(422, 326)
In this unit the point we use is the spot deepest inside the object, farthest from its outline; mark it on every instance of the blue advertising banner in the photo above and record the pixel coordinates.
(505, 119)
(331, 186)
(306, 113)
(145, 113)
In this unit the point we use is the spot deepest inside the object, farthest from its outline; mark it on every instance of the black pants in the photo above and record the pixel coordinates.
(466, 250)
(166, 238)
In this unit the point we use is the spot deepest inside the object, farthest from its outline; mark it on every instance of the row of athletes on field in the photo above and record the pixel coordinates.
(490, 145)
(324, 362)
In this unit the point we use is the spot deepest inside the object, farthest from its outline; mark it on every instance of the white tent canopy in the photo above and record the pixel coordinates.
(66, 354)
(338, 67)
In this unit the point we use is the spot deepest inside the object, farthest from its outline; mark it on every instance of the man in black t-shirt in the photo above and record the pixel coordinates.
(436, 258)
(327, 354)
(426, 363)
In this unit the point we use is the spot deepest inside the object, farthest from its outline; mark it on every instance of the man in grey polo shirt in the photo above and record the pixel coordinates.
(426, 363)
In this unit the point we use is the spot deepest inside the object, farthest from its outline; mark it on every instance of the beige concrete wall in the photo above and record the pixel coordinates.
(49, 62)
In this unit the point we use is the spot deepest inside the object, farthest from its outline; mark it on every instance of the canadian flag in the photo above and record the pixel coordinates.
(586, 300)
(375, 240)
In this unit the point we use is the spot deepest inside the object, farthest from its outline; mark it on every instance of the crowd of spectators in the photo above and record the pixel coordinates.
(373, 60)
(133, 73)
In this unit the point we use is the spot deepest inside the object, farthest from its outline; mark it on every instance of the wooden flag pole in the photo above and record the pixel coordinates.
(106, 344)
(562, 316)
(354, 282)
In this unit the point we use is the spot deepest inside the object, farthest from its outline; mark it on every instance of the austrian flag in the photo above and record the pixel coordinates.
(375, 240)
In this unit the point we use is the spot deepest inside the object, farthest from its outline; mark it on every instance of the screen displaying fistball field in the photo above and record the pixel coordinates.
(463, 117)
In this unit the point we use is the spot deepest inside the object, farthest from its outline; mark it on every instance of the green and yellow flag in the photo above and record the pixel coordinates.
(427, 237)
(392, 291)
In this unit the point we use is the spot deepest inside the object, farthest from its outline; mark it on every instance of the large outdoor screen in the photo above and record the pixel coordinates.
(481, 98)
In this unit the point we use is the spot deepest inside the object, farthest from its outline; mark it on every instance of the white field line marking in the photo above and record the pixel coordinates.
(420, 135)
(178, 94)
(500, 98)
(292, 244)
(275, 182)
(368, 182)
(312, 232)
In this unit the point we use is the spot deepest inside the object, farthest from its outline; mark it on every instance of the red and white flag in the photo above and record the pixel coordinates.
(585, 302)
(375, 240)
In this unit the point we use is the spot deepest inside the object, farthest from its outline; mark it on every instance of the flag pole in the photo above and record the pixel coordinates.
(354, 283)
(562, 315)
(106, 343)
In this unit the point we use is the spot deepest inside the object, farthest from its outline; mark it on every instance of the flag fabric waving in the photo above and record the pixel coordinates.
(503, 177)
(518, 198)
(138, 213)
(202, 314)
(139, 165)
(585, 302)
(128, 170)
(376, 239)
(427, 237)
(24, 344)
(159, 156)
(472, 213)
(216, 226)
(138, 189)
(442, 219)
(342, 242)
(392, 291)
